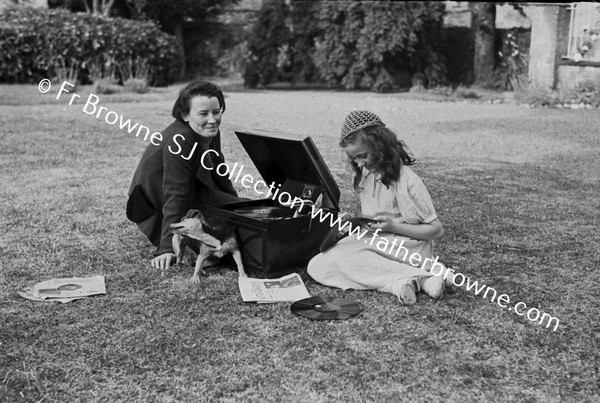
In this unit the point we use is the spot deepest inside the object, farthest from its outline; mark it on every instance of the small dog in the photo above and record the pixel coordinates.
(216, 239)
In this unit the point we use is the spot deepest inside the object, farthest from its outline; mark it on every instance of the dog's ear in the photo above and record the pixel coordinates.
(192, 214)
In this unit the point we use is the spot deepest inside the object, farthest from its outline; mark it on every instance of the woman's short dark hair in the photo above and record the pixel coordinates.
(184, 99)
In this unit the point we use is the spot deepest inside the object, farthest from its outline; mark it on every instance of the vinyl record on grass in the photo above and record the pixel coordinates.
(326, 308)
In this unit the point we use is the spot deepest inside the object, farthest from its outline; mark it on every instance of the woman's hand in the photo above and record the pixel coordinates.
(163, 261)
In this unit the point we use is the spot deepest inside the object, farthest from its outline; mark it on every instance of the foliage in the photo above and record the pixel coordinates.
(134, 69)
(500, 56)
(448, 93)
(234, 61)
(458, 51)
(586, 92)
(268, 46)
(282, 43)
(167, 12)
(37, 42)
(364, 44)
(589, 92)
(354, 44)
(202, 36)
(17, 58)
(108, 8)
(137, 85)
(462, 93)
(203, 48)
(512, 60)
(305, 29)
(106, 85)
(67, 73)
(154, 10)
(535, 96)
(98, 6)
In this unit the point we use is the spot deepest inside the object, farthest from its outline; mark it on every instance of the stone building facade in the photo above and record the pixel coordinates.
(36, 3)
(554, 59)
(558, 33)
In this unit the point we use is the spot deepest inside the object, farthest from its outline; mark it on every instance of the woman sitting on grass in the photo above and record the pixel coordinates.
(172, 177)
(391, 193)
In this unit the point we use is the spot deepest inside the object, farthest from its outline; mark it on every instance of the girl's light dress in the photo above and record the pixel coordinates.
(373, 262)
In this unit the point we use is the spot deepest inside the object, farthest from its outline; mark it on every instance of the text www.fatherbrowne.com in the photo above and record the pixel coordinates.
(398, 250)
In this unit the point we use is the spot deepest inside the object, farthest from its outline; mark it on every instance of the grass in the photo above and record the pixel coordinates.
(516, 189)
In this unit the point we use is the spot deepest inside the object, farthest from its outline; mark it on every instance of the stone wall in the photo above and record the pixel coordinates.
(571, 75)
(458, 14)
(549, 42)
(543, 46)
(36, 3)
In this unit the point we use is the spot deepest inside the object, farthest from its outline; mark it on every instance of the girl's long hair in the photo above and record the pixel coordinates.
(388, 152)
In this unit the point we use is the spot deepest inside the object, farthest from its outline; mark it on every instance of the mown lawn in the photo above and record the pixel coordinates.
(517, 190)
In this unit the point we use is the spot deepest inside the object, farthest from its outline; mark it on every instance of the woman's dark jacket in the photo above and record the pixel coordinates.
(166, 184)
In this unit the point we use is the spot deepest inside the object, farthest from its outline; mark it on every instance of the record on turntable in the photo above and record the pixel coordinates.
(272, 212)
(326, 308)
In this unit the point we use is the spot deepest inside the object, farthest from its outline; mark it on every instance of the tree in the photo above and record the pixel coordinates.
(304, 30)
(282, 42)
(96, 7)
(372, 45)
(484, 31)
(187, 20)
(269, 46)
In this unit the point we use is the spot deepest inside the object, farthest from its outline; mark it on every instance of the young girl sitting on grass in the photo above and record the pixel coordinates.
(391, 193)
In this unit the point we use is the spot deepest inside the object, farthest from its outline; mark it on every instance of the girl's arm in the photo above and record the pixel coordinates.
(426, 231)
(417, 201)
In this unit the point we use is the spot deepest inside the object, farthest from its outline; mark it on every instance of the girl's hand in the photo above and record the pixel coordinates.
(383, 223)
(163, 261)
(424, 231)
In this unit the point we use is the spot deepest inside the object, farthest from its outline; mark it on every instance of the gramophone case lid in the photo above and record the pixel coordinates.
(280, 156)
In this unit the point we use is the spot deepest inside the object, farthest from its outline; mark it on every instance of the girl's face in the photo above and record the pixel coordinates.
(361, 154)
(205, 115)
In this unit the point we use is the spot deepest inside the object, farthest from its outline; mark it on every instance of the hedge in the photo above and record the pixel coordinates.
(371, 44)
(38, 42)
(354, 44)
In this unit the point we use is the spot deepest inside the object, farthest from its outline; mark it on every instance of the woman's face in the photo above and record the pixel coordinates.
(361, 154)
(205, 115)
